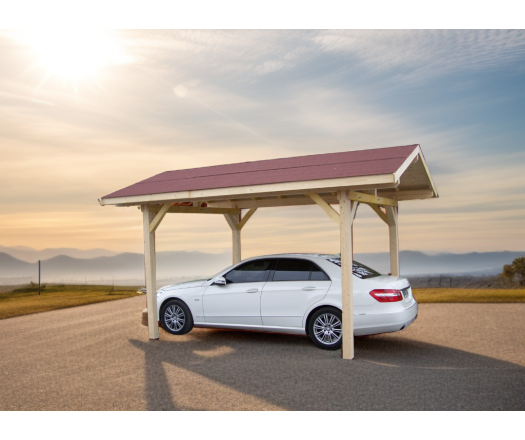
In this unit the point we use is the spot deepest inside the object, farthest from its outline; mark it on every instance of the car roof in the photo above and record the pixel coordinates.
(288, 255)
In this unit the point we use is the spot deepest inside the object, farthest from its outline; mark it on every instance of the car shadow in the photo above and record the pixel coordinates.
(390, 372)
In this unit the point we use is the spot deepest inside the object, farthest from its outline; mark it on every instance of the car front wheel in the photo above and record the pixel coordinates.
(176, 317)
(326, 329)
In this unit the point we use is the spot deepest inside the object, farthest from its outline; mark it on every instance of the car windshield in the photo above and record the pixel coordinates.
(358, 269)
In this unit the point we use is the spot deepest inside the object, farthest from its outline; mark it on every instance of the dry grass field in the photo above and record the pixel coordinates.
(25, 300)
(454, 295)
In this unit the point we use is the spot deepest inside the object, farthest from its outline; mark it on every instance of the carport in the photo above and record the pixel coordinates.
(379, 178)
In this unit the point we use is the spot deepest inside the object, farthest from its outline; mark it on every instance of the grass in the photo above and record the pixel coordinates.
(454, 295)
(25, 300)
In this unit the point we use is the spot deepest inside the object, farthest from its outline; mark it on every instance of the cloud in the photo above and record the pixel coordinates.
(428, 52)
(198, 98)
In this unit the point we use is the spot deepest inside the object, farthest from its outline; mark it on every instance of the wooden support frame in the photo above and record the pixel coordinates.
(236, 224)
(332, 213)
(393, 234)
(347, 209)
(246, 217)
(234, 220)
(150, 269)
(370, 199)
(194, 210)
(154, 224)
(380, 213)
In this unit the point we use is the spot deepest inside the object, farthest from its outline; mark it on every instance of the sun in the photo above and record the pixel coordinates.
(73, 54)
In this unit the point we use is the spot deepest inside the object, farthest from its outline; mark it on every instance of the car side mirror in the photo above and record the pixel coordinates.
(219, 281)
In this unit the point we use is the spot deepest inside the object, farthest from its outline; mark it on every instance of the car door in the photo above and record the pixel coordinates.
(239, 301)
(294, 286)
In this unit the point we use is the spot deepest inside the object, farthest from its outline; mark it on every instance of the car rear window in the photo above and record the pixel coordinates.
(358, 269)
(290, 269)
(295, 269)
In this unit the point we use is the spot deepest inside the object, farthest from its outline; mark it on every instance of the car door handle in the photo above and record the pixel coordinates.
(308, 288)
(252, 290)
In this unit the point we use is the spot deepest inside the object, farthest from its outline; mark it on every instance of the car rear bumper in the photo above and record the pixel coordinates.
(371, 324)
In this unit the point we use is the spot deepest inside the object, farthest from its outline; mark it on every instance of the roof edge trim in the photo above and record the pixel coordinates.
(417, 152)
(298, 187)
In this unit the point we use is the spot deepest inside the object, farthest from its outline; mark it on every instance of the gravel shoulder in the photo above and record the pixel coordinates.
(98, 357)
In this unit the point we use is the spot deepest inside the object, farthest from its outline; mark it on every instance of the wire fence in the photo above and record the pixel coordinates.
(116, 282)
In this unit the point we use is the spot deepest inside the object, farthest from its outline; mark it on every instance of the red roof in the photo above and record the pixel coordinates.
(291, 169)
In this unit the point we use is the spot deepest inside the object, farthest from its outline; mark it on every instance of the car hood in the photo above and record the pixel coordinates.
(186, 285)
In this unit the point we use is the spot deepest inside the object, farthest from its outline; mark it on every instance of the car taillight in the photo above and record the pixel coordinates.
(387, 295)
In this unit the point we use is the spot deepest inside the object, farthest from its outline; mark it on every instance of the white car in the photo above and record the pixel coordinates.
(289, 293)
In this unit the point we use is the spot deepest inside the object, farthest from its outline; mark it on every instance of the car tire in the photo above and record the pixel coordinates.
(176, 317)
(326, 329)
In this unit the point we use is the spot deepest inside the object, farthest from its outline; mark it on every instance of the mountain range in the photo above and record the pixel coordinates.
(184, 265)
(33, 255)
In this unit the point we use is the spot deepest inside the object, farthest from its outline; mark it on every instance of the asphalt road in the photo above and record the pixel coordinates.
(98, 357)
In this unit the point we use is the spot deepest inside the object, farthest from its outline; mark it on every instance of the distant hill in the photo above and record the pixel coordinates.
(122, 266)
(172, 265)
(12, 267)
(419, 263)
(33, 255)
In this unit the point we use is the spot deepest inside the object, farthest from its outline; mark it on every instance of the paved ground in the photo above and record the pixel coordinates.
(98, 357)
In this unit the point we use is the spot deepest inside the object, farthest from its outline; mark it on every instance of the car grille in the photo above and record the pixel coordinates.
(406, 293)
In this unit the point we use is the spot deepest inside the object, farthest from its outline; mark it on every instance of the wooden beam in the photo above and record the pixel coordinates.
(150, 269)
(158, 218)
(275, 201)
(391, 213)
(409, 195)
(370, 199)
(195, 210)
(246, 218)
(380, 213)
(353, 212)
(234, 220)
(332, 213)
(346, 211)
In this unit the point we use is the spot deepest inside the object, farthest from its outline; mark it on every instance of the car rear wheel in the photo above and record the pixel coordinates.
(176, 317)
(326, 329)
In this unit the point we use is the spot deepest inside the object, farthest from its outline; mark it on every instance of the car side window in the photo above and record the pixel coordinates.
(318, 274)
(250, 272)
(291, 269)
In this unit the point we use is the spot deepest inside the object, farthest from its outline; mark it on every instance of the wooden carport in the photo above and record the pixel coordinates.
(379, 178)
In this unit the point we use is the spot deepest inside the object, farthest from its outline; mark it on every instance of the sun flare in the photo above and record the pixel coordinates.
(74, 54)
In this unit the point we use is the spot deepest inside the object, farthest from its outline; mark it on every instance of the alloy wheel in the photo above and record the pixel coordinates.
(174, 317)
(328, 329)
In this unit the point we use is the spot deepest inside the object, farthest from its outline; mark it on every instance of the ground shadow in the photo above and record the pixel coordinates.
(389, 373)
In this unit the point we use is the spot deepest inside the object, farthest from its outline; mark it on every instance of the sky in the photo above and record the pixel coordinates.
(86, 112)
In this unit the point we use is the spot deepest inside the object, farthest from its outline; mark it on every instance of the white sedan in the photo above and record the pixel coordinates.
(289, 293)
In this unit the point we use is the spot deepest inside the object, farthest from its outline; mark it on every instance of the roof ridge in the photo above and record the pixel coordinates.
(292, 157)
(265, 170)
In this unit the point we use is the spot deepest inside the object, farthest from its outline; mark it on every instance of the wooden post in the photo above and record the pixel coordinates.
(150, 268)
(234, 220)
(391, 213)
(346, 215)
(39, 277)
